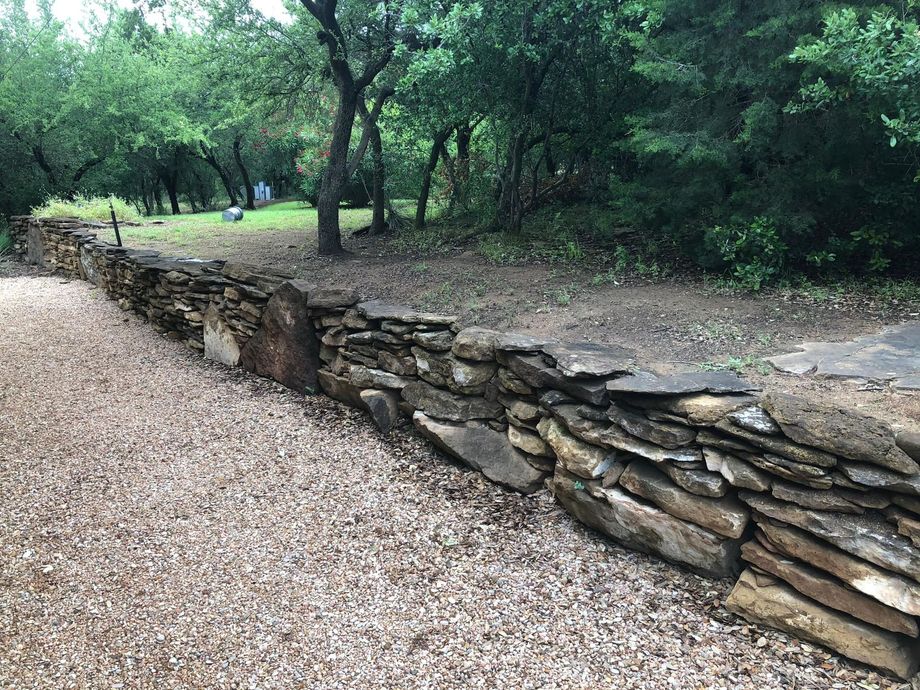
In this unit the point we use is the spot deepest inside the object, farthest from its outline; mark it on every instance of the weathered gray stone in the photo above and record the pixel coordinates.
(88, 266)
(535, 372)
(882, 585)
(401, 366)
(446, 405)
(35, 246)
(383, 407)
(379, 311)
(911, 503)
(330, 298)
(475, 343)
(701, 409)
(576, 456)
(725, 516)
(340, 388)
(513, 383)
(435, 341)
(809, 475)
(866, 536)
(285, 348)
(365, 377)
(612, 436)
(677, 384)
(433, 367)
(589, 360)
(880, 478)
(700, 482)
(518, 342)
(529, 442)
(396, 327)
(659, 433)
(470, 377)
(840, 431)
(766, 600)
(813, 498)
(643, 527)
(352, 319)
(756, 420)
(483, 449)
(219, 343)
(522, 409)
(909, 442)
(828, 591)
(780, 446)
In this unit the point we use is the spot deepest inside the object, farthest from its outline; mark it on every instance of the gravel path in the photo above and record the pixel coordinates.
(166, 522)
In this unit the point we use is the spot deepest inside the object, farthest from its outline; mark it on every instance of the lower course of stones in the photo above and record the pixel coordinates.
(817, 507)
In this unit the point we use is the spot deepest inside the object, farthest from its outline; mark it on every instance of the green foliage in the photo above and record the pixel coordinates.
(754, 253)
(6, 241)
(86, 208)
(760, 140)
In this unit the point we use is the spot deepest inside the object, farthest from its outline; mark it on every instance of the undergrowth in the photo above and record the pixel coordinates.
(86, 208)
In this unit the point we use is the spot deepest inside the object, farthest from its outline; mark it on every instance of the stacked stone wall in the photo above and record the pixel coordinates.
(817, 507)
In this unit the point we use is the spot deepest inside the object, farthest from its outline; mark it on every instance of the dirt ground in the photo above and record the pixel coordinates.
(679, 323)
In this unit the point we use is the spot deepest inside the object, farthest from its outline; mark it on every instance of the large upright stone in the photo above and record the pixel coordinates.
(764, 599)
(840, 431)
(483, 449)
(219, 343)
(643, 527)
(35, 246)
(285, 348)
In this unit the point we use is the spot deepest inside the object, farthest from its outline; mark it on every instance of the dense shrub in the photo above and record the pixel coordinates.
(86, 208)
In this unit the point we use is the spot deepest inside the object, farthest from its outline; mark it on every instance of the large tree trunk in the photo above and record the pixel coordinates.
(510, 207)
(244, 173)
(329, 237)
(421, 207)
(171, 182)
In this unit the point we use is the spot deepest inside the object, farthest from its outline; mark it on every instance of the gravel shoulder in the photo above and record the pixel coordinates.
(166, 522)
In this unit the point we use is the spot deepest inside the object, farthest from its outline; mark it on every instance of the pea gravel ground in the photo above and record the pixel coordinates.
(168, 523)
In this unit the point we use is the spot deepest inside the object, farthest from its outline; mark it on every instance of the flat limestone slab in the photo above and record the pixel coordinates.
(891, 356)
(646, 528)
(765, 600)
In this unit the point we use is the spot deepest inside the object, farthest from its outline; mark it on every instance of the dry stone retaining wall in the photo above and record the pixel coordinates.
(817, 507)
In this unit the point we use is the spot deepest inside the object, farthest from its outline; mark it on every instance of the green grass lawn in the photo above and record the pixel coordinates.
(286, 215)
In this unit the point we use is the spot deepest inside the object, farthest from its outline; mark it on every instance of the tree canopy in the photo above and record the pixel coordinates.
(754, 138)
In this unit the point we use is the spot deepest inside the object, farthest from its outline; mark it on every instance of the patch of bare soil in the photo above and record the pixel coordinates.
(679, 323)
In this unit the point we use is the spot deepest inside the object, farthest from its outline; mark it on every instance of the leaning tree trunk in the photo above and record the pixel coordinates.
(329, 237)
(210, 158)
(378, 220)
(244, 173)
(421, 208)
